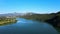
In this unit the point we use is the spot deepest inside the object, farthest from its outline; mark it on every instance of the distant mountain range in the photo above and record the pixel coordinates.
(11, 14)
(16, 14)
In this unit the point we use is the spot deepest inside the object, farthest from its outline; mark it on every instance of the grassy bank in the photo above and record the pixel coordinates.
(4, 21)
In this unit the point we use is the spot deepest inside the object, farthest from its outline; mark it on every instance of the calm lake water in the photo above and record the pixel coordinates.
(24, 26)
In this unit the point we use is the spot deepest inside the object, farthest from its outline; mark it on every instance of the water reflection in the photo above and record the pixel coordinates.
(24, 26)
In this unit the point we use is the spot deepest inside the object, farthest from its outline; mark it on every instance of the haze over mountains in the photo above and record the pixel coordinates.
(20, 14)
(15, 14)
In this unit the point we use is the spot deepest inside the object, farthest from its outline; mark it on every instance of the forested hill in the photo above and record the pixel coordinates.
(52, 18)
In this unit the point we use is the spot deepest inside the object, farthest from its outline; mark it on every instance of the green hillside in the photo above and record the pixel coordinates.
(52, 18)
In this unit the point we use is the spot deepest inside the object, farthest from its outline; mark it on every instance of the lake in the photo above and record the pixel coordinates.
(24, 26)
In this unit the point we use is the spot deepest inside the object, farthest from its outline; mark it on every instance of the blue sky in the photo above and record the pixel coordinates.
(23, 6)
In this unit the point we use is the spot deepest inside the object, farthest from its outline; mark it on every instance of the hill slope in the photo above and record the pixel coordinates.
(53, 18)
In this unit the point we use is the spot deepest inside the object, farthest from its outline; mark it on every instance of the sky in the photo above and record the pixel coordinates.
(24, 6)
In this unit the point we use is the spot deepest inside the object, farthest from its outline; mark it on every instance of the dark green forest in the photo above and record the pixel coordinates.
(52, 18)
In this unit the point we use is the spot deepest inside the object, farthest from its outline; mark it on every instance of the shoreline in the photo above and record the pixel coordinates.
(8, 21)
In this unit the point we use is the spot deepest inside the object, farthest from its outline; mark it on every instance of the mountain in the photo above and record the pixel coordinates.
(12, 14)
